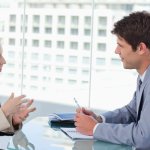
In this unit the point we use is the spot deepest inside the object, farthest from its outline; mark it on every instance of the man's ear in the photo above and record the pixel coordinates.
(142, 48)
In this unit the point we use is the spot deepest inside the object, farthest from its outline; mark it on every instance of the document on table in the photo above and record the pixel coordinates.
(4, 140)
(72, 133)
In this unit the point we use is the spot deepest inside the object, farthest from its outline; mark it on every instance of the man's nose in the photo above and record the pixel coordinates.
(117, 51)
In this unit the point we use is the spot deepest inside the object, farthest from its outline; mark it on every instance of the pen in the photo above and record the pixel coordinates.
(76, 102)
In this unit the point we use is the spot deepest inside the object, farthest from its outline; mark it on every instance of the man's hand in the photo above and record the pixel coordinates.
(89, 113)
(85, 123)
(23, 113)
(12, 105)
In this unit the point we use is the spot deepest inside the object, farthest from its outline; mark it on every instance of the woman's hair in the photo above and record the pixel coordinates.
(134, 28)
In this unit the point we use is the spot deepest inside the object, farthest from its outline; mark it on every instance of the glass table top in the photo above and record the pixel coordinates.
(37, 134)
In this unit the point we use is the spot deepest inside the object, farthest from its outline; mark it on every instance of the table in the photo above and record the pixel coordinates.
(38, 135)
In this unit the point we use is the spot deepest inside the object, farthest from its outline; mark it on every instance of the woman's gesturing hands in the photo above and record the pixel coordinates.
(12, 105)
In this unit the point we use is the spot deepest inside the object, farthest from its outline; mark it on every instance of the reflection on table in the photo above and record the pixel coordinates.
(99, 145)
(38, 135)
(20, 141)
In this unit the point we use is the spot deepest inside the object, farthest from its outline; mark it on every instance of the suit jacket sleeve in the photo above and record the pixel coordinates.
(123, 115)
(4, 123)
(121, 128)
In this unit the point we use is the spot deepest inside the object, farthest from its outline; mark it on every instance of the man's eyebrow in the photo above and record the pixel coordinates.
(119, 44)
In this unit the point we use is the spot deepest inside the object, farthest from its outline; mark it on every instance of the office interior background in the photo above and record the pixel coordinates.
(60, 49)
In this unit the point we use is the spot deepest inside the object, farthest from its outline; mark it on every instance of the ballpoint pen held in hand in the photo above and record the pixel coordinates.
(76, 103)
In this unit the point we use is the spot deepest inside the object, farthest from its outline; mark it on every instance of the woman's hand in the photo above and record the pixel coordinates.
(23, 113)
(12, 105)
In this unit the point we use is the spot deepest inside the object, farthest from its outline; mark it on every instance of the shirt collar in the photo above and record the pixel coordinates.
(143, 75)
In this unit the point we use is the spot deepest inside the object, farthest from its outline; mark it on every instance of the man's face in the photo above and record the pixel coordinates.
(130, 58)
(2, 60)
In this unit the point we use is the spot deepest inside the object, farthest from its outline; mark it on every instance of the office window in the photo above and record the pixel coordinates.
(11, 54)
(87, 32)
(48, 19)
(73, 59)
(59, 58)
(61, 20)
(24, 19)
(12, 18)
(12, 41)
(74, 31)
(101, 32)
(36, 19)
(61, 31)
(100, 61)
(86, 46)
(34, 67)
(85, 82)
(23, 29)
(85, 60)
(35, 43)
(87, 20)
(115, 61)
(23, 42)
(102, 21)
(58, 80)
(60, 44)
(34, 78)
(74, 45)
(1, 26)
(48, 30)
(72, 71)
(35, 30)
(10, 85)
(48, 43)
(35, 56)
(33, 87)
(10, 75)
(74, 20)
(12, 28)
(11, 65)
(46, 79)
(22, 66)
(46, 68)
(101, 47)
(85, 72)
(47, 57)
(59, 69)
(71, 81)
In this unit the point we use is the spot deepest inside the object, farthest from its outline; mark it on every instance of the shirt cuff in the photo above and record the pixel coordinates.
(103, 119)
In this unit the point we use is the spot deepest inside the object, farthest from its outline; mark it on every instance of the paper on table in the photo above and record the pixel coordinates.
(4, 140)
(72, 133)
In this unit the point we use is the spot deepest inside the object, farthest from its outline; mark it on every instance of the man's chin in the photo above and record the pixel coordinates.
(125, 66)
